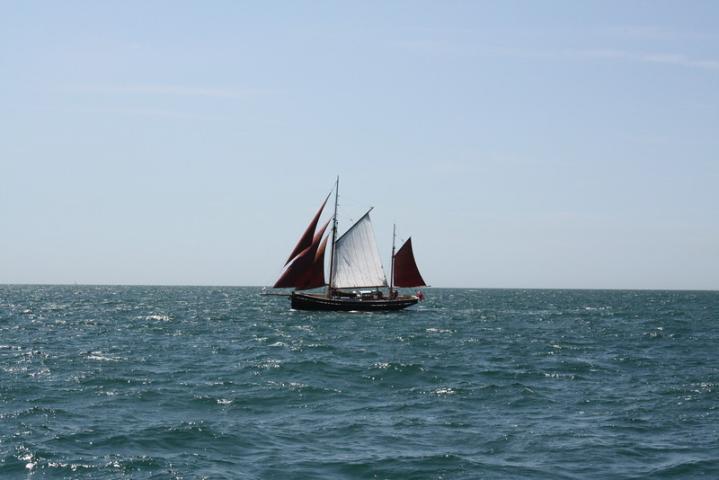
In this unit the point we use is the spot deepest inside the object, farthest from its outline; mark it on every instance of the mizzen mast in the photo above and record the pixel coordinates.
(391, 274)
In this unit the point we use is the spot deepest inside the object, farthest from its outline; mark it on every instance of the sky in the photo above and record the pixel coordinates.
(521, 144)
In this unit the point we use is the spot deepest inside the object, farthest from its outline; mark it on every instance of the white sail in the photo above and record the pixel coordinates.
(357, 262)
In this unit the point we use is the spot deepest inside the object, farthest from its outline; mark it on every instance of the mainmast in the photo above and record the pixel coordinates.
(391, 273)
(334, 239)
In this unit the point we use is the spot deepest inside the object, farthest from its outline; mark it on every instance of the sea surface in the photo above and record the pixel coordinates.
(114, 382)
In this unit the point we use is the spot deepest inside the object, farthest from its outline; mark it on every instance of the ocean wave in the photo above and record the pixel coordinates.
(102, 357)
(438, 330)
(158, 317)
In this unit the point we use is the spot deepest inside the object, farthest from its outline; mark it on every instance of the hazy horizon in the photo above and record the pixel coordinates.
(523, 145)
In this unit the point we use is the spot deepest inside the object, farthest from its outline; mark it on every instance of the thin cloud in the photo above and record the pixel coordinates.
(455, 49)
(174, 90)
(148, 112)
(654, 32)
(676, 59)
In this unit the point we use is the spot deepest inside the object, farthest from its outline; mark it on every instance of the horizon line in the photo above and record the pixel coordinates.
(178, 285)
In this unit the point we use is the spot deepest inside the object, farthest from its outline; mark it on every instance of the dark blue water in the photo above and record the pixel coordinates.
(195, 382)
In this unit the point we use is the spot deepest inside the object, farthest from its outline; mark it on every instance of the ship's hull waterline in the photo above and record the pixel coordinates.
(305, 301)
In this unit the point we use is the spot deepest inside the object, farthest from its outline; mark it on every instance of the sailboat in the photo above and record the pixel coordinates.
(356, 279)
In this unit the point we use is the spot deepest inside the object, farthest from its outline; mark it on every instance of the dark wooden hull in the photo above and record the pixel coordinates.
(305, 301)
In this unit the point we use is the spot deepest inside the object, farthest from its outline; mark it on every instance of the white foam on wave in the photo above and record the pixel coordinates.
(41, 372)
(270, 363)
(568, 376)
(14, 369)
(438, 330)
(72, 466)
(444, 391)
(158, 317)
(28, 457)
(99, 356)
(291, 386)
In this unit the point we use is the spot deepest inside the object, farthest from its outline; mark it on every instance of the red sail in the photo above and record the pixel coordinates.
(306, 239)
(406, 273)
(316, 275)
(301, 273)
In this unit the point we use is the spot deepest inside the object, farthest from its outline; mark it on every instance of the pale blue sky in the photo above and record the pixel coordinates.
(521, 144)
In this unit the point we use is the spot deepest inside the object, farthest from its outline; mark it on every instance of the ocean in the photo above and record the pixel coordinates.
(133, 382)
